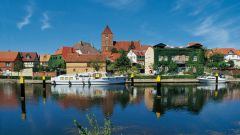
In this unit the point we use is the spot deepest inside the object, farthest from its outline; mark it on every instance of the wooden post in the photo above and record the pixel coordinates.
(158, 80)
(132, 79)
(23, 108)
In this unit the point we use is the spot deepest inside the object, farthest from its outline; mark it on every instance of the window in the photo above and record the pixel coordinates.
(71, 78)
(160, 58)
(195, 58)
(66, 78)
(7, 64)
(61, 78)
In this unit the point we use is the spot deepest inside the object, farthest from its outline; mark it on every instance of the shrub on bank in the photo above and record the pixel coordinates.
(138, 76)
(236, 76)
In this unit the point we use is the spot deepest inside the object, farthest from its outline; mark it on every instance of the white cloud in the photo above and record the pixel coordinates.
(122, 4)
(217, 34)
(45, 22)
(26, 19)
(195, 7)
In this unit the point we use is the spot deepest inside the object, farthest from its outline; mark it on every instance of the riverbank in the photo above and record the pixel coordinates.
(128, 81)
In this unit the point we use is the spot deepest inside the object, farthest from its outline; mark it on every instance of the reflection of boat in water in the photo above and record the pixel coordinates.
(86, 91)
(212, 86)
(212, 79)
(88, 79)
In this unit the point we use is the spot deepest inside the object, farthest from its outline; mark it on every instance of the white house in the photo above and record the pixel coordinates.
(229, 54)
(136, 56)
(132, 56)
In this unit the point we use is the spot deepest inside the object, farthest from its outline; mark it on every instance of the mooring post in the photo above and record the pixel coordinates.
(216, 78)
(23, 105)
(158, 80)
(44, 81)
(132, 79)
(22, 85)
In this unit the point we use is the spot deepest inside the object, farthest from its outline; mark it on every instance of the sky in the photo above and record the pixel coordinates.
(46, 25)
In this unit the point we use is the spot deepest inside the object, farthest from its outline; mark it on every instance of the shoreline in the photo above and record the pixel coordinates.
(138, 81)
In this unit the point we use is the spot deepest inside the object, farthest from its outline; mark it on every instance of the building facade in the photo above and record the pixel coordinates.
(186, 59)
(8, 61)
(30, 59)
(76, 64)
(149, 61)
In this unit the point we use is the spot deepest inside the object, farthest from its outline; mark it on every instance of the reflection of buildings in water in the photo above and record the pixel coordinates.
(86, 97)
(232, 95)
(175, 97)
(8, 97)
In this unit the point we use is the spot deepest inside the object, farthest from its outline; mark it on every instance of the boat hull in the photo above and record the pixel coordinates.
(91, 81)
(212, 81)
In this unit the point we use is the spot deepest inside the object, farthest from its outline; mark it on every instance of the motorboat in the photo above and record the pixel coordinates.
(212, 79)
(91, 78)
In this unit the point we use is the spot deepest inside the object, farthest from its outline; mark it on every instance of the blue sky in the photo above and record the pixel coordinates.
(45, 25)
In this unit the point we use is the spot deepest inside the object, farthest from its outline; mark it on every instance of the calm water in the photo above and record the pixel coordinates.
(182, 109)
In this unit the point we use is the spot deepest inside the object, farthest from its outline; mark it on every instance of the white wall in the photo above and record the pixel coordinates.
(149, 60)
(132, 56)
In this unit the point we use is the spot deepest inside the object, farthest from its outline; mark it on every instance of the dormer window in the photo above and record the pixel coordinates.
(28, 56)
(230, 52)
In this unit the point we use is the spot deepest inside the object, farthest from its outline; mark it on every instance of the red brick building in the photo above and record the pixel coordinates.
(8, 60)
(108, 44)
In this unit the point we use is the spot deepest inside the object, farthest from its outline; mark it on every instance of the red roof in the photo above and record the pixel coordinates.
(124, 45)
(224, 51)
(8, 56)
(145, 47)
(29, 56)
(84, 58)
(65, 51)
(107, 30)
(139, 53)
(194, 44)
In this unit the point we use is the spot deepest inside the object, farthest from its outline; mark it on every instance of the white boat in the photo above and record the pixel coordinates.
(212, 79)
(94, 78)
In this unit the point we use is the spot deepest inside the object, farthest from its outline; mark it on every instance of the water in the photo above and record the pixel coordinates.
(182, 109)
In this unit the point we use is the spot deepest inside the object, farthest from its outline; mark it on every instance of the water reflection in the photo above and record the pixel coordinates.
(63, 103)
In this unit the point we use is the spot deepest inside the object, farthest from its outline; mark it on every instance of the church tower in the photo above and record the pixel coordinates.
(107, 40)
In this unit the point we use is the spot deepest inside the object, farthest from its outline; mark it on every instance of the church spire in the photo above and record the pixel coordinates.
(107, 30)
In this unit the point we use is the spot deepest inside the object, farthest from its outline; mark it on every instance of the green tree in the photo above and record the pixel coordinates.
(18, 66)
(217, 58)
(114, 50)
(56, 62)
(123, 62)
(231, 63)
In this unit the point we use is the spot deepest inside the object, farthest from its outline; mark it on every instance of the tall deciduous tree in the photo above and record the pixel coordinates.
(18, 66)
(123, 62)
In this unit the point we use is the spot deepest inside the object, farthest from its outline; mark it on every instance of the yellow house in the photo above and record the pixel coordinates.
(80, 63)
